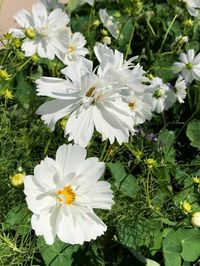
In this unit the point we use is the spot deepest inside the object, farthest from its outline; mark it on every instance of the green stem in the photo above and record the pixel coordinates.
(130, 41)
(167, 32)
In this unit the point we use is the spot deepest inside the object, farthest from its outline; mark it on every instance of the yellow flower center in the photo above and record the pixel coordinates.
(71, 49)
(132, 104)
(90, 92)
(30, 33)
(66, 195)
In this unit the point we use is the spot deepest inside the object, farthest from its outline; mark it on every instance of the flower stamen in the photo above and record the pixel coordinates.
(66, 195)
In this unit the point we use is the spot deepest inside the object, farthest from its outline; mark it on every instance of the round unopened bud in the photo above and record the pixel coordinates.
(30, 33)
(196, 219)
(186, 207)
(17, 42)
(107, 40)
(17, 180)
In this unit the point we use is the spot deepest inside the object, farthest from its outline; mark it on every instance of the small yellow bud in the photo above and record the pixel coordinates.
(104, 32)
(196, 219)
(196, 179)
(4, 74)
(63, 122)
(107, 40)
(96, 23)
(186, 207)
(150, 76)
(17, 42)
(188, 22)
(8, 36)
(117, 14)
(7, 94)
(35, 58)
(30, 33)
(17, 180)
(151, 163)
(138, 154)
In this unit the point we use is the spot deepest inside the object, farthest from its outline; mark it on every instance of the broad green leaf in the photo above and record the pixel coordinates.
(193, 133)
(58, 254)
(126, 183)
(18, 219)
(181, 244)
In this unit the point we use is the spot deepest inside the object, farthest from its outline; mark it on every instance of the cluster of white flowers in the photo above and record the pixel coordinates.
(46, 33)
(112, 98)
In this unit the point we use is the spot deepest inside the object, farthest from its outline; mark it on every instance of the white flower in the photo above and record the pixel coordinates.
(92, 101)
(52, 4)
(191, 6)
(162, 94)
(43, 33)
(109, 23)
(75, 47)
(135, 92)
(189, 67)
(180, 89)
(62, 194)
(141, 105)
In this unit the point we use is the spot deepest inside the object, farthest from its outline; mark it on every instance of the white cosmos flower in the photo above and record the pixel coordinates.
(191, 6)
(52, 4)
(44, 34)
(75, 47)
(62, 194)
(180, 89)
(189, 67)
(92, 101)
(109, 23)
(140, 104)
(163, 96)
(126, 73)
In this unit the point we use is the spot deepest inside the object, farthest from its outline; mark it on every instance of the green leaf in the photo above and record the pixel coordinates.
(163, 67)
(181, 244)
(193, 133)
(23, 90)
(126, 183)
(166, 139)
(58, 254)
(18, 219)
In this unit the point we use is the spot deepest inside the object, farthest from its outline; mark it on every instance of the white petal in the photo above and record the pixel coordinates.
(69, 157)
(80, 126)
(77, 226)
(39, 14)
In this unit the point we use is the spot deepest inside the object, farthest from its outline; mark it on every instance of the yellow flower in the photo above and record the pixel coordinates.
(8, 95)
(186, 207)
(150, 162)
(17, 180)
(196, 219)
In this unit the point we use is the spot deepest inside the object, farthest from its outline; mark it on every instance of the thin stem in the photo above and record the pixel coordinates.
(167, 32)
